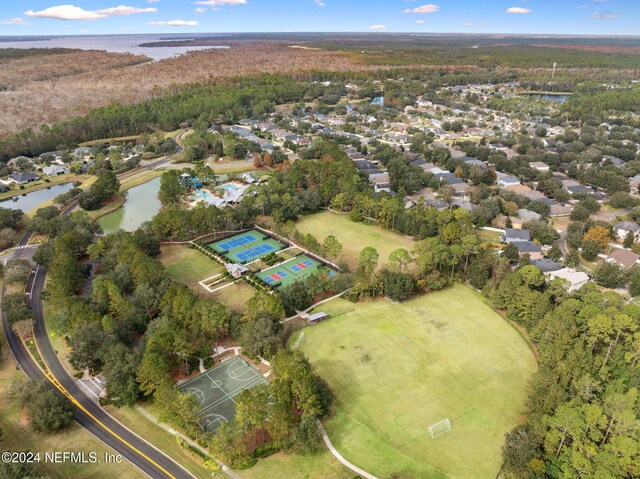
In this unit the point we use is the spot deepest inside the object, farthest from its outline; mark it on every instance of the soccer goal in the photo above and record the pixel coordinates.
(439, 428)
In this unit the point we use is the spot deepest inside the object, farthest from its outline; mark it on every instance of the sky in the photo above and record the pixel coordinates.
(65, 17)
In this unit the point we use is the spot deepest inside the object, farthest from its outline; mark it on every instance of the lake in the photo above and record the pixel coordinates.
(34, 199)
(549, 96)
(110, 43)
(141, 205)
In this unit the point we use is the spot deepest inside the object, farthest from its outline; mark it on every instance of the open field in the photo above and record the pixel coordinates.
(445, 355)
(234, 296)
(319, 465)
(188, 266)
(353, 236)
(487, 236)
(18, 437)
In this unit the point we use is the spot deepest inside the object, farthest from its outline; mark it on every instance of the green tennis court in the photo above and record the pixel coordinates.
(246, 247)
(292, 270)
(216, 389)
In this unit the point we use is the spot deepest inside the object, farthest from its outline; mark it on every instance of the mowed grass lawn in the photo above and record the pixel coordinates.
(396, 369)
(187, 265)
(318, 465)
(234, 296)
(353, 236)
(17, 436)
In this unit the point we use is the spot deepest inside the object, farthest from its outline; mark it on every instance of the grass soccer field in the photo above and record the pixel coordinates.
(292, 270)
(246, 247)
(216, 388)
(397, 369)
(353, 236)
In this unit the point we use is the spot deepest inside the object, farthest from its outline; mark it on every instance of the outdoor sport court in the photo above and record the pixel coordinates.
(216, 389)
(290, 271)
(246, 247)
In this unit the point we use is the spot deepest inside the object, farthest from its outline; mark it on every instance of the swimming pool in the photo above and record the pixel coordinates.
(200, 195)
(229, 187)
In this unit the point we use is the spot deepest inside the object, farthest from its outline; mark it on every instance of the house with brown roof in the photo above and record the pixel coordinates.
(622, 257)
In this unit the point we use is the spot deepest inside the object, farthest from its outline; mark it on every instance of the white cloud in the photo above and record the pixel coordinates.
(174, 23)
(420, 22)
(153, 1)
(122, 11)
(429, 8)
(65, 12)
(320, 3)
(71, 12)
(14, 21)
(518, 10)
(201, 10)
(214, 3)
(377, 27)
(468, 24)
(605, 15)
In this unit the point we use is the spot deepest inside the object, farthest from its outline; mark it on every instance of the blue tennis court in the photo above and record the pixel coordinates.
(255, 252)
(236, 242)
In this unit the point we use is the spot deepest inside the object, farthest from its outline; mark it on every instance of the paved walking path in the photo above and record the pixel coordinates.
(339, 456)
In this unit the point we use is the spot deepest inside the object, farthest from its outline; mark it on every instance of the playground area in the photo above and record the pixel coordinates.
(216, 389)
(293, 270)
(246, 247)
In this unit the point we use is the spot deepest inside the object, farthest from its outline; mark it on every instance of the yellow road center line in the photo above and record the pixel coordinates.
(53, 380)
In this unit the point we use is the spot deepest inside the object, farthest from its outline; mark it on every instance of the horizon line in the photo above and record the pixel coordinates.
(345, 32)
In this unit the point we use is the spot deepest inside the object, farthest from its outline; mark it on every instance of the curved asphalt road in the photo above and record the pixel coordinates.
(88, 414)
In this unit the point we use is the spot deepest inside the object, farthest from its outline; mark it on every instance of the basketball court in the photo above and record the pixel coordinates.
(216, 389)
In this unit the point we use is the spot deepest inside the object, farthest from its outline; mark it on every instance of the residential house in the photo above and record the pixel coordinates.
(576, 279)
(623, 228)
(539, 166)
(505, 180)
(512, 235)
(622, 257)
(528, 248)
(13, 162)
(23, 178)
(55, 170)
(546, 265)
(474, 162)
(82, 152)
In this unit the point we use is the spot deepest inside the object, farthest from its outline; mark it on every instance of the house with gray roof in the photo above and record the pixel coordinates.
(623, 228)
(505, 180)
(23, 178)
(55, 170)
(512, 235)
